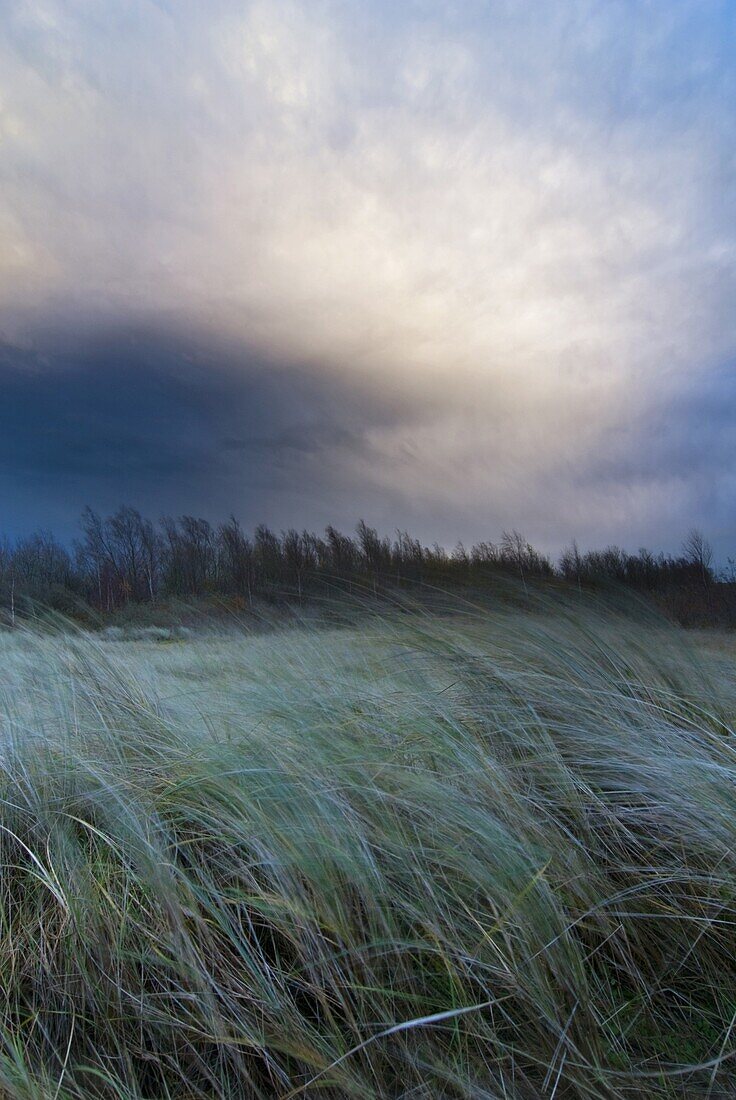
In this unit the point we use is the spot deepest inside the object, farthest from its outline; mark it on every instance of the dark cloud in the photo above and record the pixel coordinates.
(679, 454)
(180, 422)
(171, 422)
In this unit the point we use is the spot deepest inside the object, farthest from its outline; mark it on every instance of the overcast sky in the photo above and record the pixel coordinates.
(454, 266)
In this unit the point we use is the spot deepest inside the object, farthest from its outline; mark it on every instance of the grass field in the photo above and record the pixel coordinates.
(486, 854)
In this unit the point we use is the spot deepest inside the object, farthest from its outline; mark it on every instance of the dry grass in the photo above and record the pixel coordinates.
(487, 855)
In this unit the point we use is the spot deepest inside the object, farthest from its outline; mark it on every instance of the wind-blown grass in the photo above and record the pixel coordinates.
(491, 854)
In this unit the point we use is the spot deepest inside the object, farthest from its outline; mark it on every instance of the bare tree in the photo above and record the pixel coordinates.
(343, 551)
(122, 553)
(236, 552)
(514, 549)
(698, 552)
(571, 563)
(294, 558)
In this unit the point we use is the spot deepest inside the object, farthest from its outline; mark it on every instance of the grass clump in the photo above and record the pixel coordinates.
(490, 854)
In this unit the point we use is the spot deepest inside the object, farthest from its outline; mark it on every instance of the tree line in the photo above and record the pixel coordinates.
(125, 558)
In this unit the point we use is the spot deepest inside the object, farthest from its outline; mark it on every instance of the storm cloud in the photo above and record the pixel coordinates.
(451, 266)
(175, 424)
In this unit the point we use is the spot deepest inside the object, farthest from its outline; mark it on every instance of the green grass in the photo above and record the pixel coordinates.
(489, 855)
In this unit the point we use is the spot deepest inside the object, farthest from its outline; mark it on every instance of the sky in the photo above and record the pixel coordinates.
(453, 266)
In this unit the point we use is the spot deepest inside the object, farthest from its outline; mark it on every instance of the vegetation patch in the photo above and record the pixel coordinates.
(486, 854)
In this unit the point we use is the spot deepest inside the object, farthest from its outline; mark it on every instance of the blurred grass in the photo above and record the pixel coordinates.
(481, 854)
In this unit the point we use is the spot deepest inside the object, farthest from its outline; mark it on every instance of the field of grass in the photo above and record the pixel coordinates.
(487, 854)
